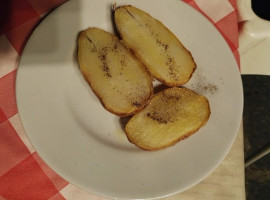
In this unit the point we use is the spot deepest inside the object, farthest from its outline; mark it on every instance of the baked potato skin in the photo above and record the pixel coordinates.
(172, 115)
(155, 45)
(115, 75)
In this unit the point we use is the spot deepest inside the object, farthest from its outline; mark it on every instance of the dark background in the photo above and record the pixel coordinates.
(261, 8)
(256, 120)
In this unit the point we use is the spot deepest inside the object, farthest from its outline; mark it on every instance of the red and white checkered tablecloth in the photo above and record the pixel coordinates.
(23, 174)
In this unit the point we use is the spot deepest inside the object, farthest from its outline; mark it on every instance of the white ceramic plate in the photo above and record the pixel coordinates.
(84, 143)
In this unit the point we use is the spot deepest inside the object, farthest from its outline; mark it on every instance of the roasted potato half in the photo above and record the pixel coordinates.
(155, 45)
(172, 115)
(115, 75)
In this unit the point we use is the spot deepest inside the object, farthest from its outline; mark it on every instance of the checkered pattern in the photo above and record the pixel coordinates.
(23, 174)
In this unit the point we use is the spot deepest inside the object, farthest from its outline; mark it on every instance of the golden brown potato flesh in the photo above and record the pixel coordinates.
(155, 45)
(116, 76)
(172, 115)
